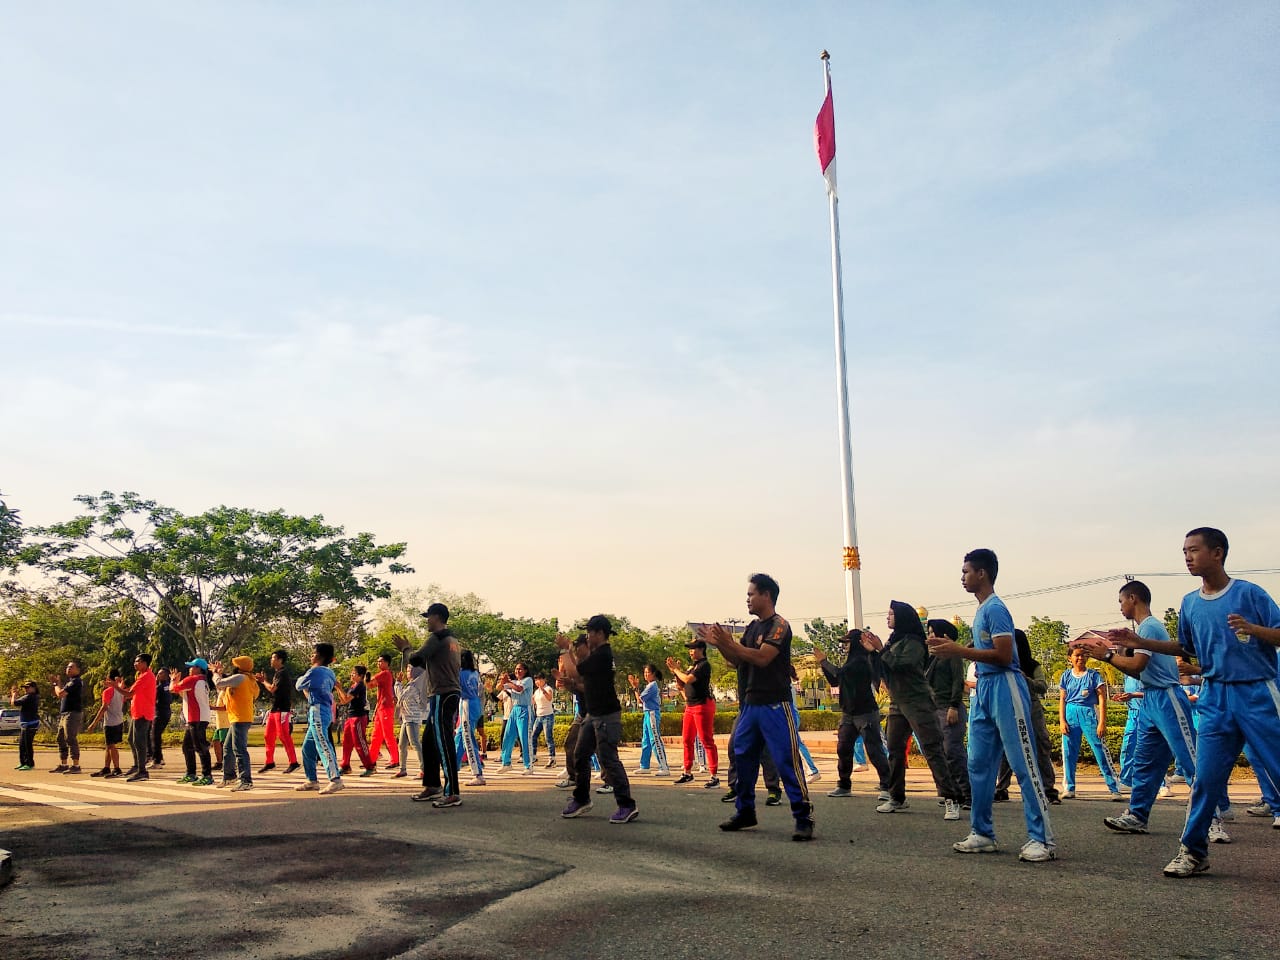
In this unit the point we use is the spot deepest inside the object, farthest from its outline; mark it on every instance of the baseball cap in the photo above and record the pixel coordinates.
(200, 662)
(697, 644)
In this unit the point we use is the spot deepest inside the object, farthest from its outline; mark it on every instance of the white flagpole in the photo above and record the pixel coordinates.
(852, 562)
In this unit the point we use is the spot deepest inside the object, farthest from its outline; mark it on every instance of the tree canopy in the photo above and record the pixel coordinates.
(217, 577)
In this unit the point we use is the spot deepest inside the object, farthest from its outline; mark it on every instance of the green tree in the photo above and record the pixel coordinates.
(1171, 622)
(826, 636)
(10, 534)
(1048, 640)
(217, 577)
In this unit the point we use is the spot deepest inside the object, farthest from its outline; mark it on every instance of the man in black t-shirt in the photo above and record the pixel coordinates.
(602, 729)
(70, 717)
(763, 659)
(354, 729)
(279, 725)
(699, 712)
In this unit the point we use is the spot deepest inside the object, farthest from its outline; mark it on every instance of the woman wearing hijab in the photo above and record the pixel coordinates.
(912, 710)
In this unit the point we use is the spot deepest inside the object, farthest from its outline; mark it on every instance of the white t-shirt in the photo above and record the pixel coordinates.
(544, 704)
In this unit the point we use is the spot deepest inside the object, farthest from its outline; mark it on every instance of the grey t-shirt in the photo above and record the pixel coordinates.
(444, 663)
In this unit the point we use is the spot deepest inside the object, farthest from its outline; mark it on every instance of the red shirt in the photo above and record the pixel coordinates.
(143, 704)
(386, 685)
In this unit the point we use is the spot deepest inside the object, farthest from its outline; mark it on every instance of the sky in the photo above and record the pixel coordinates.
(545, 290)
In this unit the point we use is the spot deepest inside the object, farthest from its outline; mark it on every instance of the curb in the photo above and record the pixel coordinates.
(6, 867)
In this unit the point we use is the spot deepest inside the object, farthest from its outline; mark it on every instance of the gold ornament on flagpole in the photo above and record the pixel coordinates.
(851, 559)
(923, 613)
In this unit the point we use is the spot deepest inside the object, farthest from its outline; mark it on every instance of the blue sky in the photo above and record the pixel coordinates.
(546, 292)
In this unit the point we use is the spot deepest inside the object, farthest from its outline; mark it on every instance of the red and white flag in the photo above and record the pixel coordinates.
(824, 141)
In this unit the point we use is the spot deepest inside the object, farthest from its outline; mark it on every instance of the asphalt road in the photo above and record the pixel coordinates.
(156, 870)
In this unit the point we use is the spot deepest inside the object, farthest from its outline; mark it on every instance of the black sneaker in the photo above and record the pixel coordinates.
(773, 799)
(683, 778)
(803, 831)
(142, 775)
(1002, 796)
(426, 795)
(711, 784)
(62, 768)
(104, 772)
(292, 767)
(729, 796)
(265, 767)
(741, 820)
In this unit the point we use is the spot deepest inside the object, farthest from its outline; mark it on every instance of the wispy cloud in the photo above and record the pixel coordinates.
(105, 325)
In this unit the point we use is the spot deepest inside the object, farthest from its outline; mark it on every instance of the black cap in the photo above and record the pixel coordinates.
(697, 644)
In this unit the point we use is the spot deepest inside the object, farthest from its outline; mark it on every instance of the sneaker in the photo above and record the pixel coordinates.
(1125, 823)
(141, 775)
(884, 795)
(292, 767)
(859, 768)
(773, 798)
(742, 820)
(185, 778)
(893, 806)
(104, 772)
(976, 843)
(1164, 793)
(1185, 864)
(219, 785)
(114, 773)
(952, 812)
(399, 773)
(60, 768)
(368, 771)
(551, 764)
(604, 788)
(306, 785)
(242, 787)
(1033, 851)
(266, 767)
(685, 778)
(815, 776)
(202, 782)
(702, 768)
(642, 772)
(24, 767)
(1258, 810)
(1227, 816)
(1001, 796)
(575, 809)
(76, 769)
(1218, 833)
(1275, 821)
(527, 772)
(803, 830)
(505, 768)
(1176, 778)
(427, 794)
(1068, 794)
(1116, 797)
(332, 787)
(442, 802)
(624, 815)
(344, 769)
(565, 783)
(729, 796)
(477, 782)
(711, 784)
(841, 792)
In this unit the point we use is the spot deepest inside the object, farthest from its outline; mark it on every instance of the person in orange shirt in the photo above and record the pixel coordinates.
(142, 709)
(384, 713)
(240, 690)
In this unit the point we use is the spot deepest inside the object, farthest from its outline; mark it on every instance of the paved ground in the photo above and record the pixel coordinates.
(157, 870)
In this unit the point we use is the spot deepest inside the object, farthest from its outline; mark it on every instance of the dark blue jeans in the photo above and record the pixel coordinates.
(236, 753)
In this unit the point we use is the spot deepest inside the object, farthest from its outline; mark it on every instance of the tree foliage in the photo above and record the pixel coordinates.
(215, 578)
(1048, 640)
(10, 534)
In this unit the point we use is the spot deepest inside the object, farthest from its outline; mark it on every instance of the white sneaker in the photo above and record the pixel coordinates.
(702, 768)
(1185, 864)
(952, 812)
(527, 772)
(604, 788)
(815, 776)
(1125, 823)
(642, 772)
(1275, 823)
(1164, 793)
(859, 768)
(1033, 851)
(241, 787)
(1258, 810)
(1177, 778)
(505, 768)
(976, 843)
(564, 783)
(333, 787)
(1068, 794)
(307, 785)
(477, 782)
(892, 806)
(1218, 833)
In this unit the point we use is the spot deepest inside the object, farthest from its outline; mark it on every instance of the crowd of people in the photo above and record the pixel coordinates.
(1194, 701)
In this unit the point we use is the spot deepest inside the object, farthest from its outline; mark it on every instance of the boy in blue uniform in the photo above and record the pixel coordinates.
(763, 659)
(1163, 730)
(317, 685)
(1232, 627)
(999, 717)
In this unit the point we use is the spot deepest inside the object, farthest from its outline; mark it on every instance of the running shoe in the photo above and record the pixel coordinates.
(551, 763)
(202, 782)
(1258, 810)
(773, 798)
(729, 796)
(1218, 833)
(604, 788)
(711, 784)
(565, 783)
(453, 801)
(141, 775)
(292, 767)
(1033, 851)
(25, 767)
(368, 771)
(1068, 794)
(104, 772)
(333, 787)
(976, 843)
(266, 767)
(742, 820)
(815, 776)
(306, 785)
(428, 794)
(185, 778)
(893, 806)
(803, 830)
(1125, 823)
(685, 778)
(952, 811)
(642, 772)
(1116, 797)
(841, 792)
(1185, 864)
(1227, 815)
(1164, 793)
(62, 768)
(575, 809)
(624, 815)
(477, 782)
(76, 769)
(242, 787)
(859, 768)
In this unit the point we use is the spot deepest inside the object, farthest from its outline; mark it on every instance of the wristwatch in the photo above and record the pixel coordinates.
(1108, 655)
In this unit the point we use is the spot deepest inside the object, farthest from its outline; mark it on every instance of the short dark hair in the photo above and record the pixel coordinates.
(467, 660)
(145, 658)
(385, 658)
(415, 660)
(579, 639)
(944, 628)
(437, 610)
(1213, 538)
(984, 559)
(361, 670)
(600, 624)
(1138, 589)
(766, 584)
(325, 652)
(282, 654)
(113, 673)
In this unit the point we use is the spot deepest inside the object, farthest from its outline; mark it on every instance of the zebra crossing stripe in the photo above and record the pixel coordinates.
(49, 800)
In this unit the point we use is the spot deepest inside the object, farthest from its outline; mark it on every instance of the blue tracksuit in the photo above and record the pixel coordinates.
(1239, 698)
(1000, 723)
(1081, 712)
